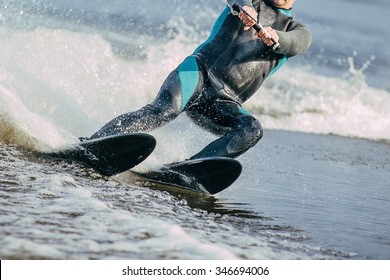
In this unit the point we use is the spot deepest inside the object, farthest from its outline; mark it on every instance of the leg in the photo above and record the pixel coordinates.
(240, 131)
(174, 95)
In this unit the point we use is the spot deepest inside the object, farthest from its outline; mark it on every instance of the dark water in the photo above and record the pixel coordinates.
(334, 189)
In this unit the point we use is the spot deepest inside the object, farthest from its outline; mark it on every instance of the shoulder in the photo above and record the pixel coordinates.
(294, 25)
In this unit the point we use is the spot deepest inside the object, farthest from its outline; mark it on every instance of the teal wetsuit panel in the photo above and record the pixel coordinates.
(189, 78)
(286, 12)
(285, 58)
(216, 28)
(280, 64)
(243, 111)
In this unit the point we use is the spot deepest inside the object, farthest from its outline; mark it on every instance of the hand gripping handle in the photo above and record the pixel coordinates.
(257, 26)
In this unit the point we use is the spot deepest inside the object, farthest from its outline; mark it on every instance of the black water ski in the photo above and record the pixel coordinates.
(208, 175)
(108, 155)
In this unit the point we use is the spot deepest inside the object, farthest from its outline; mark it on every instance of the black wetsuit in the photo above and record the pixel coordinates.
(211, 84)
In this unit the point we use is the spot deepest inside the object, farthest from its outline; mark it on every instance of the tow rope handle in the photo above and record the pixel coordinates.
(257, 26)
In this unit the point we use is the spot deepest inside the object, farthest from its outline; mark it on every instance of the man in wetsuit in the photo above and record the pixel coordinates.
(225, 71)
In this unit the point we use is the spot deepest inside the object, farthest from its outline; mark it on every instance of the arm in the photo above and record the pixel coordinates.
(296, 40)
(246, 12)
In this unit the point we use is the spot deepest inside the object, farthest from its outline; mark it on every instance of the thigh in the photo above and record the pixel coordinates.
(183, 85)
(219, 117)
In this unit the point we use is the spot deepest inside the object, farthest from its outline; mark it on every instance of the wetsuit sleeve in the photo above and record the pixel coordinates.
(242, 3)
(294, 41)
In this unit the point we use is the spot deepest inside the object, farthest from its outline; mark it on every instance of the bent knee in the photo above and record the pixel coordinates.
(252, 128)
